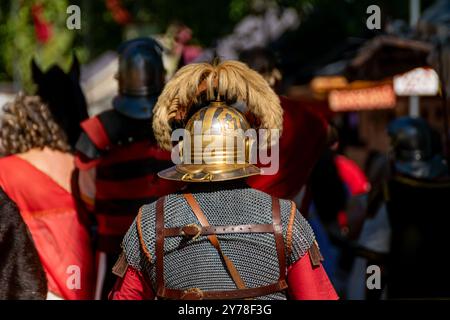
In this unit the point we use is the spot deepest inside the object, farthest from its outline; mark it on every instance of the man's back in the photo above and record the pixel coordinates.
(196, 263)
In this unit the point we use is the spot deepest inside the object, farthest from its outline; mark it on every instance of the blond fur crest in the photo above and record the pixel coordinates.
(231, 80)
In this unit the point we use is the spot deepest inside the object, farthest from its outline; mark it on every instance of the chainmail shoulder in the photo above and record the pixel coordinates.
(189, 264)
(131, 246)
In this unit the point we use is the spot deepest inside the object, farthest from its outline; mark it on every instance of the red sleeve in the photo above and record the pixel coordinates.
(309, 283)
(132, 286)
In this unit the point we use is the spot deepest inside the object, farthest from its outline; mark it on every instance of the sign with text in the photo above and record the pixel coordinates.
(377, 97)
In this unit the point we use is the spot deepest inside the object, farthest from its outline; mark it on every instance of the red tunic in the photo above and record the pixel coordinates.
(357, 184)
(62, 241)
(352, 176)
(305, 283)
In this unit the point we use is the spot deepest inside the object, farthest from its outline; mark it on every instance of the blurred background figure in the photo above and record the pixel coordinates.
(22, 276)
(335, 197)
(335, 203)
(416, 149)
(118, 158)
(324, 201)
(405, 231)
(303, 138)
(36, 175)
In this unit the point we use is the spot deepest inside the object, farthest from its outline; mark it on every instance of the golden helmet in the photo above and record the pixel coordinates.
(216, 146)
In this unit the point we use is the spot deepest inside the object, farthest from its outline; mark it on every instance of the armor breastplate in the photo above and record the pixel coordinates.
(196, 263)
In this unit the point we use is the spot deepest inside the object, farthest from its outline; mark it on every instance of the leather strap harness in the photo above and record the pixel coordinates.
(193, 231)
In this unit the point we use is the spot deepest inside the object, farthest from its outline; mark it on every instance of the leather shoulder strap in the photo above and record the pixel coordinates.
(240, 284)
(278, 234)
(141, 238)
(195, 293)
(290, 227)
(159, 249)
(121, 266)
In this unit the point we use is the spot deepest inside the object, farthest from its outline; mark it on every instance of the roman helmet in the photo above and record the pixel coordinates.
(416, 148)
(141, 77)
(215, 147)
(217, 143)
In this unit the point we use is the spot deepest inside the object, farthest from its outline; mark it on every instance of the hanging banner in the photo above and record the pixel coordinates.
(417, 82)
(378, 97)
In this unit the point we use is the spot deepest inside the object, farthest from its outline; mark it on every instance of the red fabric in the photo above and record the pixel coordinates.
(42, 28)
(143, 190)
(96, 132)
(113, 225)
(118, 12)
(131, 287)
(146, 186)
(301, 143)
(134, 151)
(191, 52)
(305, 283)
(309, 283)
(49, 211)
(342, 219)
(352, 175)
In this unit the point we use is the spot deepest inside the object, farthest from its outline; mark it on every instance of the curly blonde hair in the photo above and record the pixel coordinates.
(27, 123)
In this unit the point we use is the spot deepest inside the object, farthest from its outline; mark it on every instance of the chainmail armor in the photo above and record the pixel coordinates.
(197, 264)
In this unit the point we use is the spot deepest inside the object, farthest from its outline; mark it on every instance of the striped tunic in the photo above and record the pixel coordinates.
(118, 161)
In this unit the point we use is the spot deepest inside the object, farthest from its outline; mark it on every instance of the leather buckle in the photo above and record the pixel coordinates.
(191, 230)
(282, 284)
(192, 294)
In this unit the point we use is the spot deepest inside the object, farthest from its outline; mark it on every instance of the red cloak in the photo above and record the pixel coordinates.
(62, 241)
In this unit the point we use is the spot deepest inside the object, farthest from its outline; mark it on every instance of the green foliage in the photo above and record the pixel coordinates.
(238, 9)
(325, 25)
(207, 19)
(20, 44)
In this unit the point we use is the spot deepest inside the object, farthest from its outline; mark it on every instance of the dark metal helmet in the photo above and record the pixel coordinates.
(141, 77)
(416, 148)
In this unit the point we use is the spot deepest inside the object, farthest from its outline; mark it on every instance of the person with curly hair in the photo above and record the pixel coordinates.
(36, 174)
